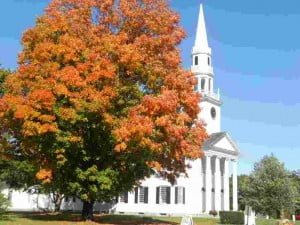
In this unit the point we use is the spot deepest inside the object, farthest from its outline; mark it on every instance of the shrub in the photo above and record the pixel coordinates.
(231, 217)
(213, 212)
(4, 203)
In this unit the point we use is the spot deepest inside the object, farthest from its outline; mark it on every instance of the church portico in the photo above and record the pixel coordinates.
(216, 187)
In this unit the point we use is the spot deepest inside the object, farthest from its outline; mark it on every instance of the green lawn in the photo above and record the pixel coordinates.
(72, 219)
(269, 222)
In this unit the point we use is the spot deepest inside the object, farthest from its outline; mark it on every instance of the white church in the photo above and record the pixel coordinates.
(207, 186)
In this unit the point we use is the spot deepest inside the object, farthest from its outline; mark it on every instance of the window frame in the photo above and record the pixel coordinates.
(196, 60)
(177, 195)
(159, 199)
(123, 198)
(137, 195)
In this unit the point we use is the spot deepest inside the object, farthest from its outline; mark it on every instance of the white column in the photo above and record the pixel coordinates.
(226, 185)
(234, 185)
(208, 184)
(199, 186)
(217, 182)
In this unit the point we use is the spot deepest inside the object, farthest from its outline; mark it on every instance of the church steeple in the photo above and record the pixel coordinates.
(203, 70)
(201, 42)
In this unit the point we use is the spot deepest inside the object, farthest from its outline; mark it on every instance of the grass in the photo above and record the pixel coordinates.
(261, 221)
(72, 219)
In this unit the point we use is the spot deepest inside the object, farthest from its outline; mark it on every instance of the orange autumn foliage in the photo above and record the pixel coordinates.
(110, 65)
(44, 175)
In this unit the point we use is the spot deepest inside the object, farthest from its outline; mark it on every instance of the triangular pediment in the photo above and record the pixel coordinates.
(225, 143)
(221, 142)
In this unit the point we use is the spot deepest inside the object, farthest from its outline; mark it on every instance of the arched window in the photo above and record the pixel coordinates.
(209, 84)
(196, 85)
(213, 113)
(196, 60)
(208, 61)
(202, 84)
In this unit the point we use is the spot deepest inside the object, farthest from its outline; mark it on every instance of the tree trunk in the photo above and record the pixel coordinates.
(87, 211)
(57, 200)
(57, 204)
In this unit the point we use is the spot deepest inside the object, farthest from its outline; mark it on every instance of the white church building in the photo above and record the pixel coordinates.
(207, 186)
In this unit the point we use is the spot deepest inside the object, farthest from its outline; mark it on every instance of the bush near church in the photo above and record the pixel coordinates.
(213, 212)
(231, 217)
(4, 203)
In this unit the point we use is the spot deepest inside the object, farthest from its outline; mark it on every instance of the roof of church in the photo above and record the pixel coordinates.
(214, 138)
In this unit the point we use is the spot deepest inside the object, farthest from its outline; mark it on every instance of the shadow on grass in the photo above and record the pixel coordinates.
(6, 217)
(72, 217)
(107, 219)
(134, 220)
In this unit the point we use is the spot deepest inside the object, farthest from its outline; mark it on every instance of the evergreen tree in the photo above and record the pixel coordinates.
(270, 189)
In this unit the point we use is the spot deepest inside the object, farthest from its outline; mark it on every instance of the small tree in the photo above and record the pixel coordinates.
(271, 190)
(296, 180)
(100, 100)
(243, 190)
(4, 202)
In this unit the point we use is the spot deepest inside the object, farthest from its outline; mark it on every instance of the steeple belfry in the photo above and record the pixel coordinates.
(201, 42)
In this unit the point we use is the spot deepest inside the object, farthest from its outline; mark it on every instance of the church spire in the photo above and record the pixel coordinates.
(201, 43)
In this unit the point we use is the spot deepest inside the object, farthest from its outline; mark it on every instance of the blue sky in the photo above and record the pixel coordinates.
(256, 57)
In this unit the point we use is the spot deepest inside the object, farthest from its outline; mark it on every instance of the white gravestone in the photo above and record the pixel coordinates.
(249, 216)
(186, 220)
(294, 218)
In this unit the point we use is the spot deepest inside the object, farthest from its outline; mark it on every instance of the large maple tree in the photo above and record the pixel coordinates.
(100, 100)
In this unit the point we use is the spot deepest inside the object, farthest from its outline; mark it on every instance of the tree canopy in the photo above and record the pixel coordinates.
(269, 188)
(295, 176)
(100, 100)
(3, 74)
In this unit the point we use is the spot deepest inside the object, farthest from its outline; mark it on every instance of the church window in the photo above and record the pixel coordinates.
(196, 85)
(179, 195)
(9, 196)
(163, 195)
(209, 84)
(202, 84)
(196, 60)
(141, 195)
(124, 197)
(208, 61)
(213, 112)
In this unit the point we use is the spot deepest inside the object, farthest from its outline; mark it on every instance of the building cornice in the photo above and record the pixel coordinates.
(211, 100)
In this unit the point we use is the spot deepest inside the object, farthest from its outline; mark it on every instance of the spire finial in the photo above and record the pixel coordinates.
(201, 35)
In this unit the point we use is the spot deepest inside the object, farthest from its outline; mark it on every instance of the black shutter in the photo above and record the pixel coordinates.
(168, 195)
(117, 199)
(126, 197)
(176, 195)
(146, 195)
(136, 195)
(157, 195)
(183, 195)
